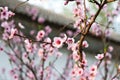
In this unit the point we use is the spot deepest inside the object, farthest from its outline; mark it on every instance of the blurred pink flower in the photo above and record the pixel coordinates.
(99, 56)
(85, 44)
(40, 35)
(13, 32)
(41, 20)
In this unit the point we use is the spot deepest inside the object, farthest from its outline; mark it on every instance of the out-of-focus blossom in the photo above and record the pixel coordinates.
(40, 52)
(110, 48)
(13, 32)
(30, 75)
(85, 44)
(1, 49)
(15, 77)
(96, 29)
(99, 56)
(41, 20)
(108, 32)
(33, 12)
(69, 33)
(40, 35)
(77, 24)
(28, 45)
(76, 57)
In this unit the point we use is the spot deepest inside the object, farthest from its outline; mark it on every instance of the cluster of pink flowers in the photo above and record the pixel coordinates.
(79, 14)
(25, 61)
(9, 30)
(33, 12)
(96, 29)
(5, 14)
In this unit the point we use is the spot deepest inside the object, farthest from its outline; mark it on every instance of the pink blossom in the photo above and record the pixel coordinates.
(78, 12)
(30, 75)
(32, 32)
(57, 42)
(84, 62)
(40, 35)
(15, 77)
(77, 24)
(1, 49)
(76, 57)
(32, 12)
(84, 55)
(66, 2)
(25, 55)
(48, 40)
(12, 72)
(13, 32)
(5, 24)
(110, 48)
(83, 78)
(108, 32)
(74, 47)
(64, 37)
(28, 45)
(5, 14)
(99, 56)
(85, 44)
(70, 41)
(40, 52)
(108, 55)
(76, 71)
(73, 72)
(48, 29)
(11, 13)
(41, 20)
(93, 71)
(69, 33)
(5, 36)
(79, 71)
(96, 29)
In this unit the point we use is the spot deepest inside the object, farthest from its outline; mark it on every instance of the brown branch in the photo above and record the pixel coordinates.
(22, 62)
(32, 40)
(115, 76)
(82, 37)
(43, 63)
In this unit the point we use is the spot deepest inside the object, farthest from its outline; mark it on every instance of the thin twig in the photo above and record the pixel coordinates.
(18, 5)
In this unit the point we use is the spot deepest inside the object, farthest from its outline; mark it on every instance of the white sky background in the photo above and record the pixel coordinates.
(58, 7)
(54, 5)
